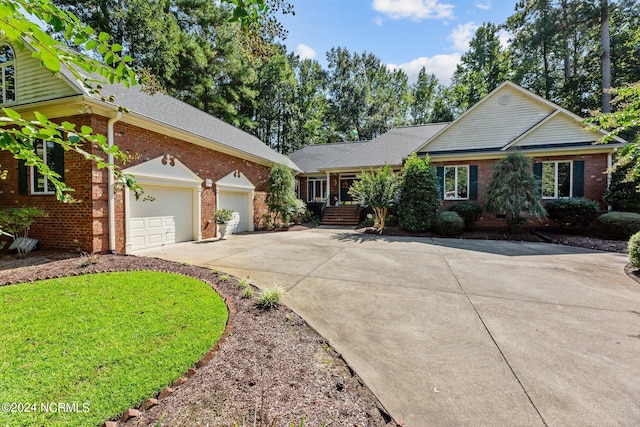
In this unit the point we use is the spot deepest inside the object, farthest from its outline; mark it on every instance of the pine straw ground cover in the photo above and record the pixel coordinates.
(272, 363)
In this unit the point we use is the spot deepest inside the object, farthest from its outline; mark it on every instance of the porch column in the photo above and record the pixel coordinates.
(328, 195)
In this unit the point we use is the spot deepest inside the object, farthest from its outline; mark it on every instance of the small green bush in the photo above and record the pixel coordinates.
(634, 250)
(618, 225)
(269, 298)
(470, 212)
(449, 224)
(575, 212)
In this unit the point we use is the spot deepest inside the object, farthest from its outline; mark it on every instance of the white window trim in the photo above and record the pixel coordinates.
(314, 180)
(34, 174)
(13, 63)
(555, 178)
(444, 182)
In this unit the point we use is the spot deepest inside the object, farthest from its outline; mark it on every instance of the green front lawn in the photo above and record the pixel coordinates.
(100, 343)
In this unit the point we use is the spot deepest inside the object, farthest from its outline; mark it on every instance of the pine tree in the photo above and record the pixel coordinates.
(513, 191)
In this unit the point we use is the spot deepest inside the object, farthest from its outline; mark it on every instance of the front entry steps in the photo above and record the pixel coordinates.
(341, 215)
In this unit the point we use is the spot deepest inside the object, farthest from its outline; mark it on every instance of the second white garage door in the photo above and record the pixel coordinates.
(239, 202)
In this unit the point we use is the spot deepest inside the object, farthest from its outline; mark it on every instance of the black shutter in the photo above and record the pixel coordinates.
(23, 181)
(58, 160)
(440, 173)
(473, 182)
(578, 178)
(537, 172)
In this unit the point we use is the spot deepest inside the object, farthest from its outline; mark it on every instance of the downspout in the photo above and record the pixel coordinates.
(609, 166)
(112, 192)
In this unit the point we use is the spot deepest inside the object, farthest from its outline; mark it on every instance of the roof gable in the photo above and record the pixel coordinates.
(162, 170)
(495, 121)
(556, 130)
(513, 116)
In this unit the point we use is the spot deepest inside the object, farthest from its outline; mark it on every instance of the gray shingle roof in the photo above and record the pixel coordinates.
(391, 147)
(311, 157)
(182, 116)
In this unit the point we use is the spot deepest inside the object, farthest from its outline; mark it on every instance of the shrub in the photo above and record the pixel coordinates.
(281, 194)
(269, 298)
(16, 222)
(618, 225)
(578, 212)
(622, 194)
(419, 202)
(513, 191)
(222, 216)
(470, 212)
(634, 250)
(449, 224)
(376, 189)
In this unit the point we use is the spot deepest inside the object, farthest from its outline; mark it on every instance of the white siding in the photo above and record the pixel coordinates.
(492, 123)
(558, 130)
(36, 83)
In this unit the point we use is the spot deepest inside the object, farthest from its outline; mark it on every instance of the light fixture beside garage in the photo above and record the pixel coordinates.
(208, 183)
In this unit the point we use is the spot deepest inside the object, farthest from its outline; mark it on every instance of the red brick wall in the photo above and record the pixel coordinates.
(84, 226)
(68, 226)
(144, 145)
(595, 182)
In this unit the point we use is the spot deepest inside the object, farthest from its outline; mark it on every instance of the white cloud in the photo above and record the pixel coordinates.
(461, 36)
(442, 66)
(504, 37)
(305, 52)
(414, 9)
(378, 21)
(484, 5)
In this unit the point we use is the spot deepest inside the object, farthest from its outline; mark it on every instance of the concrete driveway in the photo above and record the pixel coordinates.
(458, 332)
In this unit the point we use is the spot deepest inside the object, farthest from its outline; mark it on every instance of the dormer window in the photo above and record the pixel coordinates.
(7, 74)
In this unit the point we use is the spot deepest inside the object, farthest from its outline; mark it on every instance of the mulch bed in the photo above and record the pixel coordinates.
(560, 237)
(273, 363)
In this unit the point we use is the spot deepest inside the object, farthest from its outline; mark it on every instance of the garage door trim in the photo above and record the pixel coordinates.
(237, 182)
(165, 171)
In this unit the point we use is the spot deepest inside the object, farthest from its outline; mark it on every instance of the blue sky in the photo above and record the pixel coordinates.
(403, 33)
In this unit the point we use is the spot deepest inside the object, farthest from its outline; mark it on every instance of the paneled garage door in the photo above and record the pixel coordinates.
(239, 202)
(166, 219)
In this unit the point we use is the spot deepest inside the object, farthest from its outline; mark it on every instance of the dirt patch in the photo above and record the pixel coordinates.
(273, 363)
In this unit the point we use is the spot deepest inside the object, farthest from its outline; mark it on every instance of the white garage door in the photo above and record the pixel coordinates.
(164, 220)
(239, 202)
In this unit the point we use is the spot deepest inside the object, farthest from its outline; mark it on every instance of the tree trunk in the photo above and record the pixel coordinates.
(605, 38)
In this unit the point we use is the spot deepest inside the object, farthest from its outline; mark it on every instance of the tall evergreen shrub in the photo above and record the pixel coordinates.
(419, 195)
(281, 194)
(513, 191)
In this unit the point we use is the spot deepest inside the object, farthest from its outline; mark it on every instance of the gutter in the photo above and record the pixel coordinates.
(111, 184)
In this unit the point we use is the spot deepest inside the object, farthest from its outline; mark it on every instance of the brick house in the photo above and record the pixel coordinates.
(187, 161)
(567, 158)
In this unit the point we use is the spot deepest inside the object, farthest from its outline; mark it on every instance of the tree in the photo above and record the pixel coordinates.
(376, 190)
(419, 201)
(513, 191)
(17, 135)
(483, 68)
(425, 91)
(366, 99)
(281, 194)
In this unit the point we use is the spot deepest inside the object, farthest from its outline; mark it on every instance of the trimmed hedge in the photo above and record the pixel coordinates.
(449, 224)
(574, 212)
(618, 225)
(634, 250)
(470, 212)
